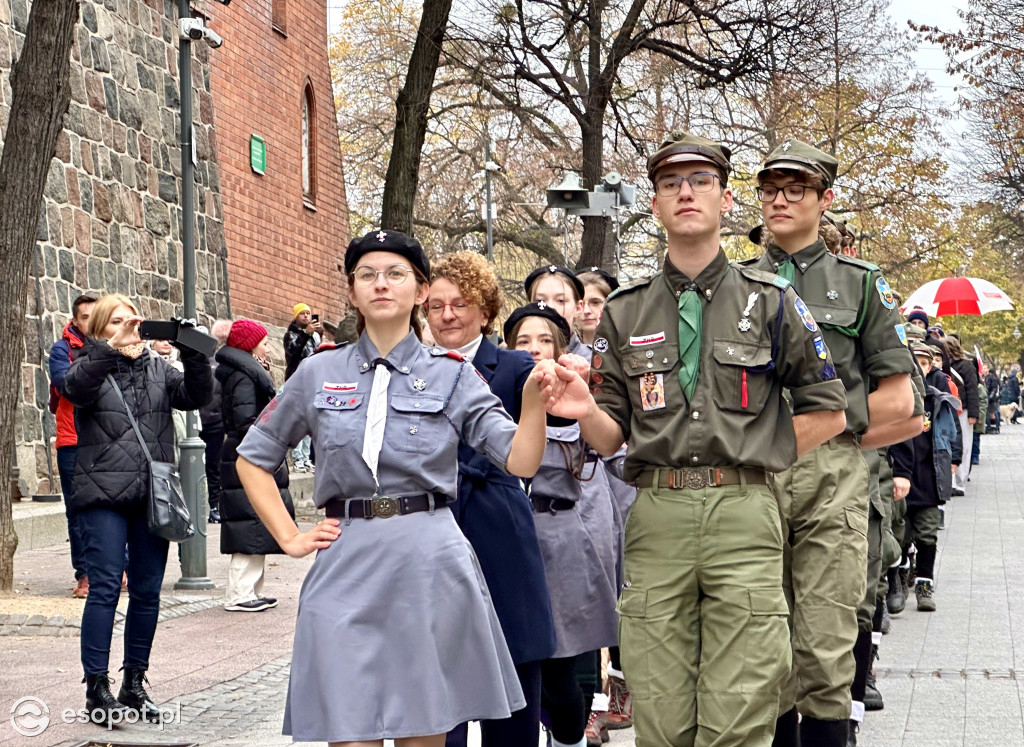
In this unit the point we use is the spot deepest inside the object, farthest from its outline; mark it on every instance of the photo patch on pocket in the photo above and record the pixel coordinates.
(652, 391)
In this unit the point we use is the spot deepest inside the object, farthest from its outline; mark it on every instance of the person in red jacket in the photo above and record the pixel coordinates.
(61, 355)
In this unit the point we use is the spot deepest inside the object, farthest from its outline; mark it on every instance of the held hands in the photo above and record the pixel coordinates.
(319, 537)
(900, 488)
(127, 333)
(563, 392)
(576, 363)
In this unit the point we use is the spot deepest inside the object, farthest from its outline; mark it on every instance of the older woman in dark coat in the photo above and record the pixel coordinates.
(246, 388)
(493, 510)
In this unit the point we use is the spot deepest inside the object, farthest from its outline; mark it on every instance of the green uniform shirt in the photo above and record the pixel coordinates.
(754, 342)
(857, 312)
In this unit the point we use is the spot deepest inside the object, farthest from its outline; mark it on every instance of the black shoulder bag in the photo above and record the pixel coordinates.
(167, 515)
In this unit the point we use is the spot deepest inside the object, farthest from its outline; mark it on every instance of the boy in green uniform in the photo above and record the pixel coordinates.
(823, 497)
(705, 645)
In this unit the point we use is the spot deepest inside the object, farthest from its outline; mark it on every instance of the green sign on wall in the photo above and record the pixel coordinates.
(258, 154)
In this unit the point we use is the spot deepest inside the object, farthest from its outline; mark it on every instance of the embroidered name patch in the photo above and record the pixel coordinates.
(647, 339)
(331, 387)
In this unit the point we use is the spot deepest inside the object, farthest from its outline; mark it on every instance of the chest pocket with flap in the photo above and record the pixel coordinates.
(743, 376)
(640, 361)
(418, 423)
(844, 320)
(340, 418)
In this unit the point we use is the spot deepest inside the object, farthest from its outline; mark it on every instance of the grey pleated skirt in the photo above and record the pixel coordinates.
(396, 636)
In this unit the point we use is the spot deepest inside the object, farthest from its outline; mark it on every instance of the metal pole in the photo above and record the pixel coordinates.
(193, 552)
(487, 179)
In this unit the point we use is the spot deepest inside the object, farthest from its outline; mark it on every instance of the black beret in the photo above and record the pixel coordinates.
(755, 234)
(612, 281)
(540, 309)
(554, 270)
(387, 241)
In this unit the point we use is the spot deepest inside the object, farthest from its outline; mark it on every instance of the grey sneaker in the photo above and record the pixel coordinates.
(923, 591)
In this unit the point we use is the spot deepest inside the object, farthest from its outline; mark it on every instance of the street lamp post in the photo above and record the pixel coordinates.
(193, 551)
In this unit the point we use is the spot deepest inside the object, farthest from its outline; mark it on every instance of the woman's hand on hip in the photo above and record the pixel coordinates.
(319, 537)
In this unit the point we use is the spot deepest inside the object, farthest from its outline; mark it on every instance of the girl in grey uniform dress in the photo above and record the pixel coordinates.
(583, 590)
(396, 636)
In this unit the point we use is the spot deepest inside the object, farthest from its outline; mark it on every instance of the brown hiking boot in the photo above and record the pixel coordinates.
(923, 590)
(82, 590)
(597, 729)
(620, 704)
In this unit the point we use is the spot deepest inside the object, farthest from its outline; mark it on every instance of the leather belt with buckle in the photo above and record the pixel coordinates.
(698, 478)
(384, 506)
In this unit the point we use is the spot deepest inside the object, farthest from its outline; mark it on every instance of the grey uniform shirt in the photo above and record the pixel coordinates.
(434, 401)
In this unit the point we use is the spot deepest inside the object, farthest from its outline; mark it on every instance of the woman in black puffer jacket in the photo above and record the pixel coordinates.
(111, 489)
(246, 388)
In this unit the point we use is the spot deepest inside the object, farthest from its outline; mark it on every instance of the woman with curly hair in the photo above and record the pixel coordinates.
(493, 510)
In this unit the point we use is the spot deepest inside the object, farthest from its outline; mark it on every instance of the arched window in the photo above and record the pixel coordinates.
(308, 145)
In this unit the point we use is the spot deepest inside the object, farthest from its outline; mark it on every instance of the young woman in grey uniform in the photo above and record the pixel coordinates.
(396, 636)
(582, 588)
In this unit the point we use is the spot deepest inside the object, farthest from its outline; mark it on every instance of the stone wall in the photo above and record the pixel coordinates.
(112, 212)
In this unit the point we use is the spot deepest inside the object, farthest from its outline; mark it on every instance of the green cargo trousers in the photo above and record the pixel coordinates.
(876, 540)
(705, 646)
(823, 500)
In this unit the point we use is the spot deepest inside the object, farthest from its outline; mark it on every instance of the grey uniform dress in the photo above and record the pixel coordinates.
(580, 569)
(396, 635)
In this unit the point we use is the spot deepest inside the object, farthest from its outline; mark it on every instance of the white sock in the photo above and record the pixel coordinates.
(857, 711)
(613, 672)
(601, 703)
(922, 578)
(556, 743)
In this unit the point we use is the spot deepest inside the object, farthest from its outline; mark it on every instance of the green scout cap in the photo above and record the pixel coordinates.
(913, 331)
(918, 347)
(796, 154)
(682, 146)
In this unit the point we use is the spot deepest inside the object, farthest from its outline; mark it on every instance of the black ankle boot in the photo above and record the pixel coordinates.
(133, 695)
(99, 701)
(817, 733)
(787, 730)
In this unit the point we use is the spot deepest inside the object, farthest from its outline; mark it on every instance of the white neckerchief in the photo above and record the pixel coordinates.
(376, 417)
(468, 351)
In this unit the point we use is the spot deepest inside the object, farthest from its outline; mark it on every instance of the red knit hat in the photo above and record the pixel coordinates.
(246, 334)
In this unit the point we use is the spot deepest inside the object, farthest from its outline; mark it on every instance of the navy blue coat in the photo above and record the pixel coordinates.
(497, 518)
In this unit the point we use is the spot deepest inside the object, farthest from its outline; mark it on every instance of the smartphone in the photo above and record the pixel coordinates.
(316, 318)
(158, 330)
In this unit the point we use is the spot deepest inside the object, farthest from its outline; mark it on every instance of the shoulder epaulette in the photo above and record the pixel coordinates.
(438, 352)
(325, 346)
(630, 287)
(861, 263)
(762, 276)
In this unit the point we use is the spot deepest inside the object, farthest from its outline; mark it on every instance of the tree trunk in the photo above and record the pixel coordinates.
(41, 92)
(411, 119)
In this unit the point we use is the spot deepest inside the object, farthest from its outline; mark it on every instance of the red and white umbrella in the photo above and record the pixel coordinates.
(950, 296)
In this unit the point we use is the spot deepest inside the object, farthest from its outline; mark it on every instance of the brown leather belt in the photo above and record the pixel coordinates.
(697, 478)
(383, 506)
(542, 504)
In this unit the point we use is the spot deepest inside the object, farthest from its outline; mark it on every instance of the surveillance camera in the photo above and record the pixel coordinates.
(191, 28)
(212, 38)
(194, 29)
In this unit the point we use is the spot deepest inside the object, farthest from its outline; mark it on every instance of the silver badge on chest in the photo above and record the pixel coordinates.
(744, 325)
(419, 385)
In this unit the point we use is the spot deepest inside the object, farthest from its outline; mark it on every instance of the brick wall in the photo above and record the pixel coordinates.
(280, 250)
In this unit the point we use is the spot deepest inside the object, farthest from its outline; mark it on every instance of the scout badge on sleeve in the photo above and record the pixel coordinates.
(805, 314)
(901, 333)
(652, 391)
(885, 293)
(819, 347)
(601, 345)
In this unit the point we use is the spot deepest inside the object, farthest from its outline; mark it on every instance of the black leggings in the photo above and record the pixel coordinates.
(563, 699)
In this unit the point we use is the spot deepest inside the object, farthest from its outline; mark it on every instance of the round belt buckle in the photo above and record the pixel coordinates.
(696, 479)
(384, 507)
